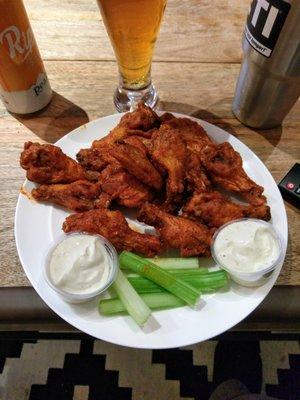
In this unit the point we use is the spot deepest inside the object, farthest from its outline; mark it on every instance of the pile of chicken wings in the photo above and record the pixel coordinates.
(166, 168)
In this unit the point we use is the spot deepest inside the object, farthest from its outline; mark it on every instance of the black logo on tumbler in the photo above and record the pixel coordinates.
(264, 24)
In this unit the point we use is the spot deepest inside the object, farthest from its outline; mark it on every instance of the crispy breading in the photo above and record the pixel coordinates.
(143, 118)
(169, 151)
(136, 123)
(214, 209)
(46, 163)
(136, 162)
(114, 227)
(197, 180)
(75, 196)
(194, 136)
(225, 167)
(104, 200)
(136, 141)
(95, 159)
(123, 187)
(192, 238)
(166, 117)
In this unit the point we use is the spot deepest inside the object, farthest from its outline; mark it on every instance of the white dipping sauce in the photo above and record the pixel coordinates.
(79, 264)
(246, 246)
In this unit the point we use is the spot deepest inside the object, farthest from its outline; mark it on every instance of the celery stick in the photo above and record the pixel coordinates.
(132, 302)
(213, 275)
(153, 300)
(175, 285)
(189, 271)
(206, 285)
(179, 272)
(175, 262)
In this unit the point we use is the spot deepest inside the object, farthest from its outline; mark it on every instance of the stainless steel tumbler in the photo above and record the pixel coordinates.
(269, 81)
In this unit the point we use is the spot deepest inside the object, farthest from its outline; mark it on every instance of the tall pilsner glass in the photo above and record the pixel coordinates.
(133, 26)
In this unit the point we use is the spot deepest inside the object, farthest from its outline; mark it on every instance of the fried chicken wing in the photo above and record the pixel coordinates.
(104, 200)
(166, 117)
(123, 187)
(137, 123)
(46, 163)
(143, 118)
(75, 196)
(194, 138)
(118, 134)
(262, 211)
(214, 209)
(225, 167)
(190, 132)
(196, 177)
(223, 164)
(169, 205)
(136, 162)
(115, 135)
(192, 238)
(114, 227)
(169, 151)
(95, 159)
(146, 142)
(136, 141)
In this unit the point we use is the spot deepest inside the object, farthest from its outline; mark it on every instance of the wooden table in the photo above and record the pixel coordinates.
(196, 64)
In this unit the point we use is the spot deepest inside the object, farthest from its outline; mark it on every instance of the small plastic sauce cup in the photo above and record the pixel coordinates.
(71, 297)
(249, 278)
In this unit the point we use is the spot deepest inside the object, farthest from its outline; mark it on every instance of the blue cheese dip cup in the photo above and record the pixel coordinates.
(78, 262)
(248, 249)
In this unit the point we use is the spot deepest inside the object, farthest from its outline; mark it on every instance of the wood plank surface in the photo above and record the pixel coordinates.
(192, 30)
(83, 92)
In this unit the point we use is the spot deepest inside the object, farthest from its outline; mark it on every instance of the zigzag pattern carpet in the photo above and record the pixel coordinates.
(79, 368)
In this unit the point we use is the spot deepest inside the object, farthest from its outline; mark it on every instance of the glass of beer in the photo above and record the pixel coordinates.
(133, 26)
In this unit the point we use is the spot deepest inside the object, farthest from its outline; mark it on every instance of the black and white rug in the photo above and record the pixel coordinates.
(75, 367)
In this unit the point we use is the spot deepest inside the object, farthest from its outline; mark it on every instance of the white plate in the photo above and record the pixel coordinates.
(37, 225)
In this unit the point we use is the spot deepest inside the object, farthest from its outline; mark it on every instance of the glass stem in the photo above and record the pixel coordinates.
(127, 96)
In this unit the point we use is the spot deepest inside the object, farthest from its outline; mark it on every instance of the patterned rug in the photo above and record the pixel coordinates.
(75, 367)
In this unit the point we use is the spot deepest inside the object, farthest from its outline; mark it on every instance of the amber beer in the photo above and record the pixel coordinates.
(24, 86)
(133, 27)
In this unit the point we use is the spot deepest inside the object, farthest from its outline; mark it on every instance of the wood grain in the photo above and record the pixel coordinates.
(192, 30)
(84, 92)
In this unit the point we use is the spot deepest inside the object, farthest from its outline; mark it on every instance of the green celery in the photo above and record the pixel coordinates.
(173, 284)
(204, 284)
(132, 302)
(153, 301)
(175, 262)
(179, 272)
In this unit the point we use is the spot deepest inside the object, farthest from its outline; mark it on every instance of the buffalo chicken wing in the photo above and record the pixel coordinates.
(46, 163)
(137, 164)
(75, 196)
(169, 152)
(193, 135)
(123, 187)
(140, 122)
(192, 238)
(214, 209)
(197, 180)
(95, 159)
(114, 227)
(225, 167)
